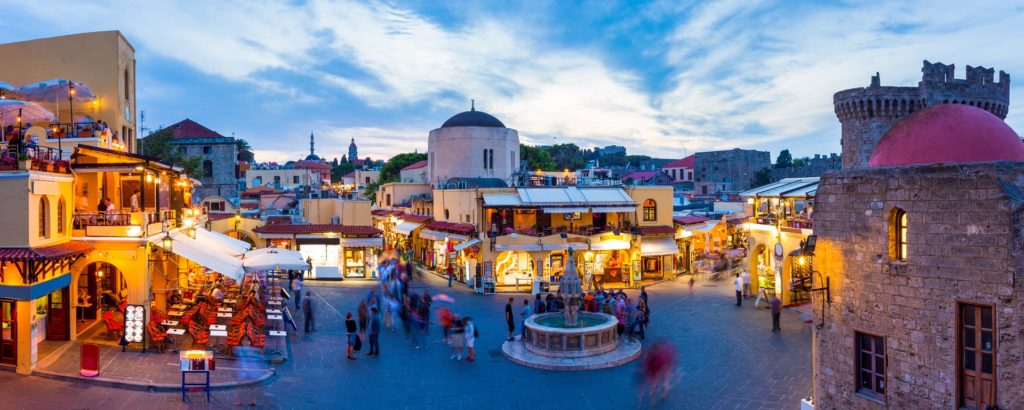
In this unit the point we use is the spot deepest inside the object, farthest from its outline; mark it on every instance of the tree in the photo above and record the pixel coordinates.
(370, 191)
(784, 160)
(762, 177)
(390, 171)
(802, 162)
(536, 158)
(340, 170)
(158, 145)
(245, 152)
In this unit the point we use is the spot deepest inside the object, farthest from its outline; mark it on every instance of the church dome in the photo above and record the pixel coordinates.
(473, 118)
(948, 133)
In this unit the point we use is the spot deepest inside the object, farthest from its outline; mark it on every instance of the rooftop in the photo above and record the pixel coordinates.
(473, 118)
(190, 129)
(298, 229)
(415, 165)
(687, 162)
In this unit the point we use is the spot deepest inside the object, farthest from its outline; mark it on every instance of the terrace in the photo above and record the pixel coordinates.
(786, 203)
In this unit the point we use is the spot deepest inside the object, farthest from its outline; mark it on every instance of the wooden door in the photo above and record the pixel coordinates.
(977, 356)
(8, 332)
(57, 316)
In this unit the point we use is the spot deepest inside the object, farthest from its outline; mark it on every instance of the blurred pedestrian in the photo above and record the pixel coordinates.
(350, 334)
(374, 327)
(307, 312)
(746, 284)
(363, 314)
(538, 305)
(451, 275)
(525, 313)
(776, 307)
(249, 366)
(657, 368)
(470, 329)
(739, 290)
(510, 320)
(297, 284)
(456, 337)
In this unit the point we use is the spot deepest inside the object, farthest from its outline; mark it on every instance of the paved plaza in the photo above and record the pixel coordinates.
(729, 359)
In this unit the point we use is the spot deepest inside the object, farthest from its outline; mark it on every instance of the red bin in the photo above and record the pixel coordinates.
(90, 360)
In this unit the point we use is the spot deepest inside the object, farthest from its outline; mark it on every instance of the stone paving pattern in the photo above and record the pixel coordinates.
(728, 359)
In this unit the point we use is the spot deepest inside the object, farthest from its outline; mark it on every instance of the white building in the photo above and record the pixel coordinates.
(472, 144)
(415, 173)
(680, 170)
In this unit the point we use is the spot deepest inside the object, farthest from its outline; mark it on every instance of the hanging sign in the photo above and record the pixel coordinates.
(778, 252)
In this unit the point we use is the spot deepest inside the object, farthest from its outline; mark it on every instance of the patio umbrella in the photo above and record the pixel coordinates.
(9, 92)
(57, 89)
(262, 251)
(272, 260)
(29, 111)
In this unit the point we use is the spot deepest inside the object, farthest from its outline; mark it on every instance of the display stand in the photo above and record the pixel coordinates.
(189, 386)
(196, 362)
(488, 288)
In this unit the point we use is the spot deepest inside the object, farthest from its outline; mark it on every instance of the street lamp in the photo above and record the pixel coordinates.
(167, 243)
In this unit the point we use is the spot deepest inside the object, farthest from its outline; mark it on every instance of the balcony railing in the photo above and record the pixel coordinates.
(82, 220)
(123, 223)
(789, 222)
(586, 230)
(40, 158)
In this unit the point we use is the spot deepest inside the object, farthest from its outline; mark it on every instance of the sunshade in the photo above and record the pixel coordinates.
(30, 112)
(56, 90)
(223, 243)
(273, 259)
(200, 253)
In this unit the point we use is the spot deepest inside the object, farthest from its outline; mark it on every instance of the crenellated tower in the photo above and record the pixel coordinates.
(867, 113)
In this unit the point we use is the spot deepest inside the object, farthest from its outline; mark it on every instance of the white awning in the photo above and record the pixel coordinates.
(406, 227)
(440, 236)
(526, 247)
(576, 246)
(705, 227)
(466, 244)
(272, 259)
(509, 199)
(203, 254)
(610, 245)
(565, 210)
(658, 246)
(362, 242)
(607, 209)
(227, 244)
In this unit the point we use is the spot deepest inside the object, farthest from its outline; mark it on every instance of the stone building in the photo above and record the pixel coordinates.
(472, 144)
(813, 167)
(867, 113)
(731, 170)
(922, 252)
(219, 158)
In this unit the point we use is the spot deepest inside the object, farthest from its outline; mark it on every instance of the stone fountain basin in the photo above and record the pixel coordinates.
(586, 341)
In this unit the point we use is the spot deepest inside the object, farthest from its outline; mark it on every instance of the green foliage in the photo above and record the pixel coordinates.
(158, 145)
(762, 177)
(784, 160)
(340, 169)
(802, 162)
(370, 191)
(245, 152)
(537, 158)
(390, 171)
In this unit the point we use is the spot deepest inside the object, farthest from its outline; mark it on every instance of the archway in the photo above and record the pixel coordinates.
(98, 286)
(760, 268)
(242, 236)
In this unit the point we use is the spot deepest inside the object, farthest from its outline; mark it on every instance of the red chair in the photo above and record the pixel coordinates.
(114, 328)
(156, 335)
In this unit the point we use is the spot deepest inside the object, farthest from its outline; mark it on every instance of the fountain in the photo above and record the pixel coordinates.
(571, 340)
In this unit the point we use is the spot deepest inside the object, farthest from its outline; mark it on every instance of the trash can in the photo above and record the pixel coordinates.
(90, 360)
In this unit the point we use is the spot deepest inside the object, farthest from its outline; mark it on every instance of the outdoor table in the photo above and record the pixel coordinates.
(179, 307)
(273, 311)
(81, 311)
(217, 346)
(225, 310)
(169, 323)
(175, 313)
(175, 335)
(274, 302)
(277, 318)
(218, 327)
(230, 301)
(277, 336)
(223, 315)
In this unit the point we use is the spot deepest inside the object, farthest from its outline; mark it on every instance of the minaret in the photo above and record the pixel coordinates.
(311, 144)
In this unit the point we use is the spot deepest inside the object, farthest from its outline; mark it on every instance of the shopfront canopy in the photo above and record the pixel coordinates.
(610, 209)
(567, 210)
(362, 242)
(658, 246)
(406, 227)
(273, 259)
(609, 245)
(524, 247)
(202, 253)
(224, 243)
(466, 244)
(440, 236)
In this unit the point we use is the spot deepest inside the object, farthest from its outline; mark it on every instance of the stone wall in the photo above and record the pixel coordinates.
(223, 156)
(868, 113)
(735, 168)
(964, 245)
(814, 168)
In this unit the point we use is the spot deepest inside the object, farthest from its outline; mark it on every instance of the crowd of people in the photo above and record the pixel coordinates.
(633, 315)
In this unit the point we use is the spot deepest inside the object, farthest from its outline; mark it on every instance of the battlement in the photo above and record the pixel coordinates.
(938, 73)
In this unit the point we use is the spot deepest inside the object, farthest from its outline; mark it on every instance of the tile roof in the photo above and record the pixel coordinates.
(687, 220)
(452, 227)
(299, 229)
(279, 219)
(657, 230)
(384, 212)
(71, 248)
(687, 162)
(414, 218)
(415, 165)
(217, 216)
(190, 129)
(641, 175)
(312, 165)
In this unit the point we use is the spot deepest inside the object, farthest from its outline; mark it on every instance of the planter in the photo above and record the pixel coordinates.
(25, 164)
(8, 167)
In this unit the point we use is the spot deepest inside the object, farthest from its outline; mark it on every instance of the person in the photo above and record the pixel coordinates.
(350, 334)
(776, 307)
(135, 201)
(538, 305)
(297, 284)
(456, 335)
(176, 298)
(508, 319)
(218, 294)
(363, 313)
(248, 362)
(692, 281)
(102, 207)
(739, 290)
(307, 313)
(643, 294)
(746, 284)
(471, 334)
(638, 328)
(525, 313)
(374, 327)
(451, 275)
(656, 369)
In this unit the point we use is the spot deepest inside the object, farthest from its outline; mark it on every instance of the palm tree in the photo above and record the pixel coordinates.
(245, 152)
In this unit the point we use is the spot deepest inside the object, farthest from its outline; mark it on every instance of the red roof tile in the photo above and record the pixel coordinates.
(452, 227)
(687, 162)
(299, 229)
(71, 248)
(190, 129)
(217, 216)
(313, 165)
(657, 230)
(415, 165)
(641, 175)
(687, 220)
(384, 212)
(415, 218)
(279, 219)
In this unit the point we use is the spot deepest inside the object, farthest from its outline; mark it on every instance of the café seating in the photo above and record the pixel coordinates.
(114, 328)
(157, 336)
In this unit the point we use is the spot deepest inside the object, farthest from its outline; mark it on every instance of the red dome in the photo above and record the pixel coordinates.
(954, 133)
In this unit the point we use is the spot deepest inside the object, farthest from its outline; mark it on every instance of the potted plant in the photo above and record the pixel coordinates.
(24, 161)
(62, 166)
(7, 162)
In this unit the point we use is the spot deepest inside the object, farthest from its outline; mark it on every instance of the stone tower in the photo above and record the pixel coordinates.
(867, 113)
(353, 152)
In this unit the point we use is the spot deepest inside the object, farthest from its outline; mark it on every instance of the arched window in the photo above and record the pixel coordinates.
(44, 217)
(446, 214)
(61, 218)
(127, 86)
(650, 210)
(899, 234)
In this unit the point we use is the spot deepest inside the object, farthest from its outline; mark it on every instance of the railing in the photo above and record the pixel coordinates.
(586, 230)
(82, 220)
(789, 222)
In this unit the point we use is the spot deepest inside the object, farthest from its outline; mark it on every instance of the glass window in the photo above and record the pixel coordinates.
(870, 359)
(899, 234)
(650, 210)
(44, 217)
(61, 218)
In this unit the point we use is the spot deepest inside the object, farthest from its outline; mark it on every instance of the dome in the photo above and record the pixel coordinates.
(473, 118)
(948, 133)
(312, 157)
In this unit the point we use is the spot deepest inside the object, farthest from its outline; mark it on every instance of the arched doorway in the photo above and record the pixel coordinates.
(98, 287)
(242, 236)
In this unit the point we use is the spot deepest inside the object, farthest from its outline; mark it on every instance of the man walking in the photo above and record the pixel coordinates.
(374, 328)
(746, 284)
(776, 306)
(525, 313)
(451, 275)
(297, 285)
(739, 289)
(508, 318)
(307, 311)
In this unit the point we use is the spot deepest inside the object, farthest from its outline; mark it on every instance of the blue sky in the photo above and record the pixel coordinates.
(664, 78)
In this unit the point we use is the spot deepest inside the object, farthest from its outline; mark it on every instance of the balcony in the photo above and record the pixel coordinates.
(131, 225)
(31, 158)
(786, 221)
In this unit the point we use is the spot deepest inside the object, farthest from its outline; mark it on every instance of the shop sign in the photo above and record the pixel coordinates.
(488, 272)
(778, 252)
(572, 215)
(134, 323)
(576, 239)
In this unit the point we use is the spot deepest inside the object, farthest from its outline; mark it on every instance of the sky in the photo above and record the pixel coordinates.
(663, 78)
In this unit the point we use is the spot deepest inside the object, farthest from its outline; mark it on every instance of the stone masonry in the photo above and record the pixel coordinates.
(868, 113)
(965, 244)
(734, 169)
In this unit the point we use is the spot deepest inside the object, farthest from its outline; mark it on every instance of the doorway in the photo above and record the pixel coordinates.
(977, 356)
(8, 332)
(57, 315)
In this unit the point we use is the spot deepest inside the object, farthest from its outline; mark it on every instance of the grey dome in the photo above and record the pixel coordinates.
(473, 118)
